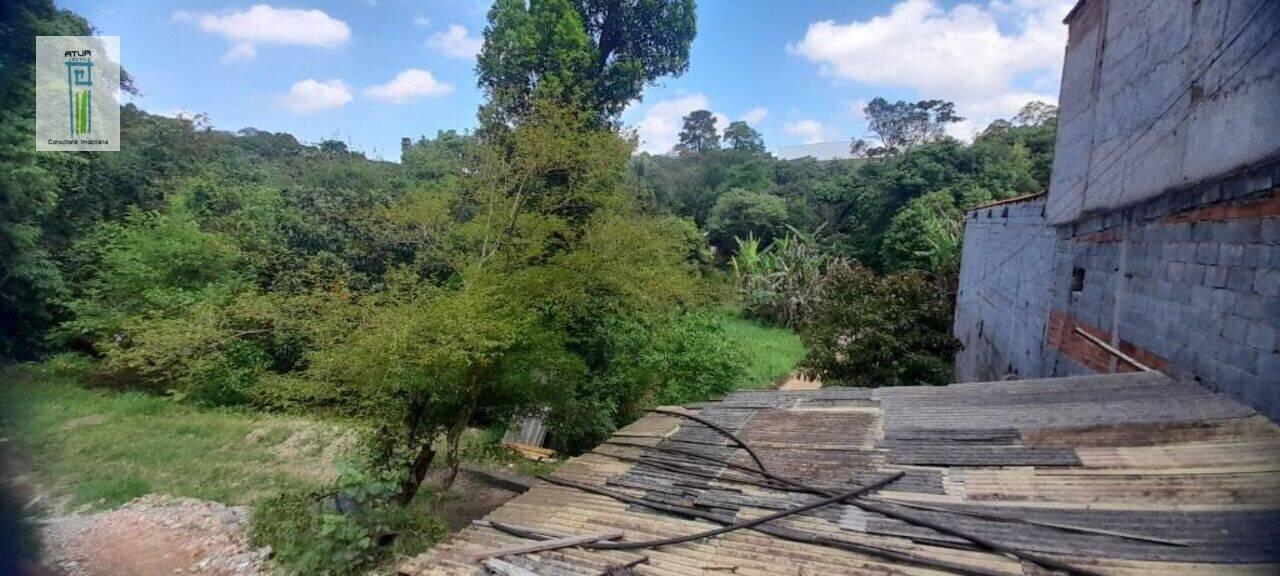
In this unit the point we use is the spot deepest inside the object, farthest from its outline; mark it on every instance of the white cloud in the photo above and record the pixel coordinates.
(241, 51)
(659, 127)
(809, 131)
(311, 95)
(857, 109)
(421, 21)
(456, 42)
(409, 85)
(960, 54)
(755, 115)
(176, 113)
(263, 24)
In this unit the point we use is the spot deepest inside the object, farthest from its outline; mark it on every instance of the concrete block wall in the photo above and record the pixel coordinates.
(1159, 94)
(1188, 283)
(1002, 302)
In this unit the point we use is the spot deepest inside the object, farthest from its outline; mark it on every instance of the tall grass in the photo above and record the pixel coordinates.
(105, 448)
(772, 352)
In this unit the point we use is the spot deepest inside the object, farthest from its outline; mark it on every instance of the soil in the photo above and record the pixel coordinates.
(154, 536)
(471, 497)
(798, 382)
(162, 536)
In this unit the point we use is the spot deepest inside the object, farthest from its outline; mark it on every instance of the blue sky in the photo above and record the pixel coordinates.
(371, 71)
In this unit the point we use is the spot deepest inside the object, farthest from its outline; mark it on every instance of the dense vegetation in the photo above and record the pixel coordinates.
(535, 266)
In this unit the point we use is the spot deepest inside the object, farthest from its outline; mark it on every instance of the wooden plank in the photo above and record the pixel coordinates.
(506, 568)
(552, 544)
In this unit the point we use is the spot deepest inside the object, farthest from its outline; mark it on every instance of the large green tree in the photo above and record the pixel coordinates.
(699, 133)
(596, 55)
(29, 278)
(742, 213)
(742, 137)
(901, 126)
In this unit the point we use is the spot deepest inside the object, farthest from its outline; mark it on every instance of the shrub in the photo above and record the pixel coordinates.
(738, 213)
(686, 358)
(346, 532)
(871, 330)
(780, 283)
(924, 235)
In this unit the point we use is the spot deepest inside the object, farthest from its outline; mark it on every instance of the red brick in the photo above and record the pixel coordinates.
(1263, 208)
(1063, 338)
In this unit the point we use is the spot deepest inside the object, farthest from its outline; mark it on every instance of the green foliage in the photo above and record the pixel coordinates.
(781, 283)
(448, 154)
(699, 133)
(740, 213)
(103, 448)
(870, 330)
(595, 55)
(345, 532)
(686, 358)
(925, 235)
(902, 126)
(743, 138)
(29, 277)
(772, 353)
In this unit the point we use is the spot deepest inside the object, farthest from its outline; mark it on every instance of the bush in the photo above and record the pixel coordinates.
(780, 283)
(739, 213)
(924, 235)
(343, 533)
(688, 358)
(69, 365)
(871, 330)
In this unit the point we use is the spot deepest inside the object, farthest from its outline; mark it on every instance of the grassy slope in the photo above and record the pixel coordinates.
(772, 353)
(105, 448)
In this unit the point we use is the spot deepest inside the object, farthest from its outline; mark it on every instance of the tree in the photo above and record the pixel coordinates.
(449, 153)
(869, 330)
(29, 277)
(901, 125)
(741, 213)
(596, 55)
(1036, 113)
(743, 138)
(699, 133)
(925, 235)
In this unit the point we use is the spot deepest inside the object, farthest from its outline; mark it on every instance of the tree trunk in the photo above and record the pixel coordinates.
(417, 472)
(452, 441)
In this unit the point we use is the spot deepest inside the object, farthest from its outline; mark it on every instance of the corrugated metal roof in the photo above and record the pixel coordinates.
(1121, 474)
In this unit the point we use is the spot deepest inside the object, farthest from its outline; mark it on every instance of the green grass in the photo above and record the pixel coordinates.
(104, 448)
(772, 353)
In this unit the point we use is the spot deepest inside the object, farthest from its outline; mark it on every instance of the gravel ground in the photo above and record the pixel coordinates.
(154, 536)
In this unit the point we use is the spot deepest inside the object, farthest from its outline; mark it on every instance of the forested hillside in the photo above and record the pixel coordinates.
(535, 264)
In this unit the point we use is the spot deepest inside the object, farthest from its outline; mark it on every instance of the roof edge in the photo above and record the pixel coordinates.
(1074, 10)
(1014, 200)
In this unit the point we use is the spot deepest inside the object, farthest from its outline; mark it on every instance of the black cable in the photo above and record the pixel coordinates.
(777, 532)
(990, 545)
(717, 428)
(605, 545)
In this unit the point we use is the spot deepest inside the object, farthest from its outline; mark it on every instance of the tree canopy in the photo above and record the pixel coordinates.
(699, 133)
(901, 126)
(743, 138)
(597, 55)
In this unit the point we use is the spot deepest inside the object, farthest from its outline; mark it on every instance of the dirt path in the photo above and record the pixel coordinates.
(798, 382)
(154, 536)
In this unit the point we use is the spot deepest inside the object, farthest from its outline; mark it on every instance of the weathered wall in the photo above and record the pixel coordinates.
(1158, 94)
(1003, 299)
(1189, 283)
